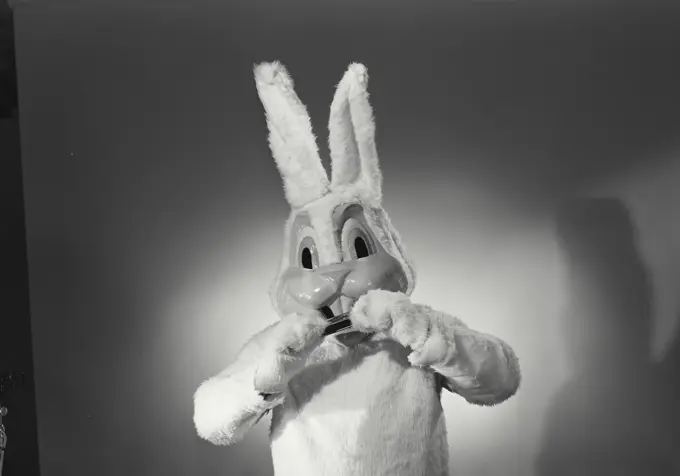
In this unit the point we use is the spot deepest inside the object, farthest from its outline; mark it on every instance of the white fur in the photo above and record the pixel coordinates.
(362, 413)
(367, 410)
(354, 159)
(391, 241)
(481, 368)
(227, 405)
(291, 139)
(354, 156)
(370, 410)
(285, 350)
(320, 212)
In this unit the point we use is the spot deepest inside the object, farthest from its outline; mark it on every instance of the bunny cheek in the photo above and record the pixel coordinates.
(302, 289)
(377, 271)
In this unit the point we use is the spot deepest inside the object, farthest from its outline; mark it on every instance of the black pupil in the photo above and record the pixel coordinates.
(307, 258)
(360, 247)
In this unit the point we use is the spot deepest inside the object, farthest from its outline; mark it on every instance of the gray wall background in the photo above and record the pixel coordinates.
(154, 215)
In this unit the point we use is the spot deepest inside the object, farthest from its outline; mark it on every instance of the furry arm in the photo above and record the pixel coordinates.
(479, 367)
(229, 404)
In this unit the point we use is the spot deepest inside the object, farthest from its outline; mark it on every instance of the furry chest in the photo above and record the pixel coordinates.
(363, 412)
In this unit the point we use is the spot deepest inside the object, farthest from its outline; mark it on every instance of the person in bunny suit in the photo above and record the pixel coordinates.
(364, 402)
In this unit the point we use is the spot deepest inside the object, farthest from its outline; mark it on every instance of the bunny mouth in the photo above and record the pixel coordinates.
(336, 323)
(339, 327)
(327, 312)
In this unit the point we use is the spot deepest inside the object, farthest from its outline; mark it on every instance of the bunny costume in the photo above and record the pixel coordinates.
(365, 402)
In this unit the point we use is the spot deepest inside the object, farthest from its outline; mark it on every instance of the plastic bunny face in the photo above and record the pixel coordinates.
(339, 242)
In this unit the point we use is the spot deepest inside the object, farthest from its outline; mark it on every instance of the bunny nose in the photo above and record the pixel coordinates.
(314, 289)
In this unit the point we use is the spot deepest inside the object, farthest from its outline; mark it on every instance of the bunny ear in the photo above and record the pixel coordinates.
(354, 157)
(291, 140)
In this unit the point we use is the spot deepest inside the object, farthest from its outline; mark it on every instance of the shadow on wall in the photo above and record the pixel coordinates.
(615, 415)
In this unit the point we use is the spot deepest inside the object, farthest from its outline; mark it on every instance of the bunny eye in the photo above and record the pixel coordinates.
(360, 247)
(357, 242)
(307, 256)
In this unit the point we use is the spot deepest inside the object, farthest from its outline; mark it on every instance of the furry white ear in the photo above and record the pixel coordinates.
(291, 139)
(354, 157)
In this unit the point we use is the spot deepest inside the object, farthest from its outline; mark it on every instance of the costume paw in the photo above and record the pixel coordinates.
(392, 315)
(433, 349)
(297, 332)
(372, 313)
(411, 324)
(286, 350)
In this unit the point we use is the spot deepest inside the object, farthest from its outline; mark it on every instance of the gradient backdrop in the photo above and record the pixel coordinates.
(155, 213)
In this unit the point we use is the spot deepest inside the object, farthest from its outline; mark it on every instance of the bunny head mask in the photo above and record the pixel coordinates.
(338, 242)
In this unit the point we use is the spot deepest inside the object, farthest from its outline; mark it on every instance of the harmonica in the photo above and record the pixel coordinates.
(338, 323)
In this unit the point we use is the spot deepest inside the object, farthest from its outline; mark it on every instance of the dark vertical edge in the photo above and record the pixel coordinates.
(16, 343)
